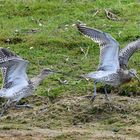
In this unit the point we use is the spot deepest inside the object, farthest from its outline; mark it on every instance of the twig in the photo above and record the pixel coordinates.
(85, 53)
(111, 16)
(97, 11)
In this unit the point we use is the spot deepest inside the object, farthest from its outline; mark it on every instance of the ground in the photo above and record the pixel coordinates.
(44, 33)
(74, 118)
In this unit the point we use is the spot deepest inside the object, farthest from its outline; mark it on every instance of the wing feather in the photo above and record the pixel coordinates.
(15, 72)
(6, 55)
(127, 52)
(13, 68)
(109, 47)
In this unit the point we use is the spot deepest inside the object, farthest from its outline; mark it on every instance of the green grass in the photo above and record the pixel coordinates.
(56, 44)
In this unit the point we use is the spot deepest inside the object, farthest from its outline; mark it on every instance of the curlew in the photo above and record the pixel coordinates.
(16, 84)
(113, 66)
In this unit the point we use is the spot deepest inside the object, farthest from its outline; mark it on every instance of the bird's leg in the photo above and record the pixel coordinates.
(106, 94)
(5, 107)
(94, 92)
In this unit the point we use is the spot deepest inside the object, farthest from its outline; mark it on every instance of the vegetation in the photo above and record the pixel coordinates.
(44, 32)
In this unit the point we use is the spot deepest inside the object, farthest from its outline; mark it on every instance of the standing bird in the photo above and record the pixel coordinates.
(112, 69)
(16, 84)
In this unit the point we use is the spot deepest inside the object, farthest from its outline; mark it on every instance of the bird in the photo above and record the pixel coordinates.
(16, 84)
(113, 62)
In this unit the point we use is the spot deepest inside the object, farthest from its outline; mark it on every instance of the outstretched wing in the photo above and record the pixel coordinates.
(6, 55)
(109, 47)
(15, 72)
(127, 52)
(13, 69)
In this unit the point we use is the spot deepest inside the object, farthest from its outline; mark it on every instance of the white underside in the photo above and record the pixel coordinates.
(98, 74)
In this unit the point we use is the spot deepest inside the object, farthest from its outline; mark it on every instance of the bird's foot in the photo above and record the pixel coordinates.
(92, 98)
(4, 109)
(24, 105)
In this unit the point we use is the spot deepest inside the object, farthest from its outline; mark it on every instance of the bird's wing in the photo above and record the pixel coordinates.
(3, 70)
(127, 52)
(6, 55)
(15, 72)
(109, 47)
(13, 68)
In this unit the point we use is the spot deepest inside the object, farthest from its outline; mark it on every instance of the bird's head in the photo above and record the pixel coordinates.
(133, 74)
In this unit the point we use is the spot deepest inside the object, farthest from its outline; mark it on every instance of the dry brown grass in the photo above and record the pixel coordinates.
(74, 118)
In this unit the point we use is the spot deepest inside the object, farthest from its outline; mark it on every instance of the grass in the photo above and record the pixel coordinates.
(57, 43)
(43, 32)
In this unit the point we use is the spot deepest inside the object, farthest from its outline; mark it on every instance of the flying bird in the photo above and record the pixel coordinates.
(113, 66)
(16, 84)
